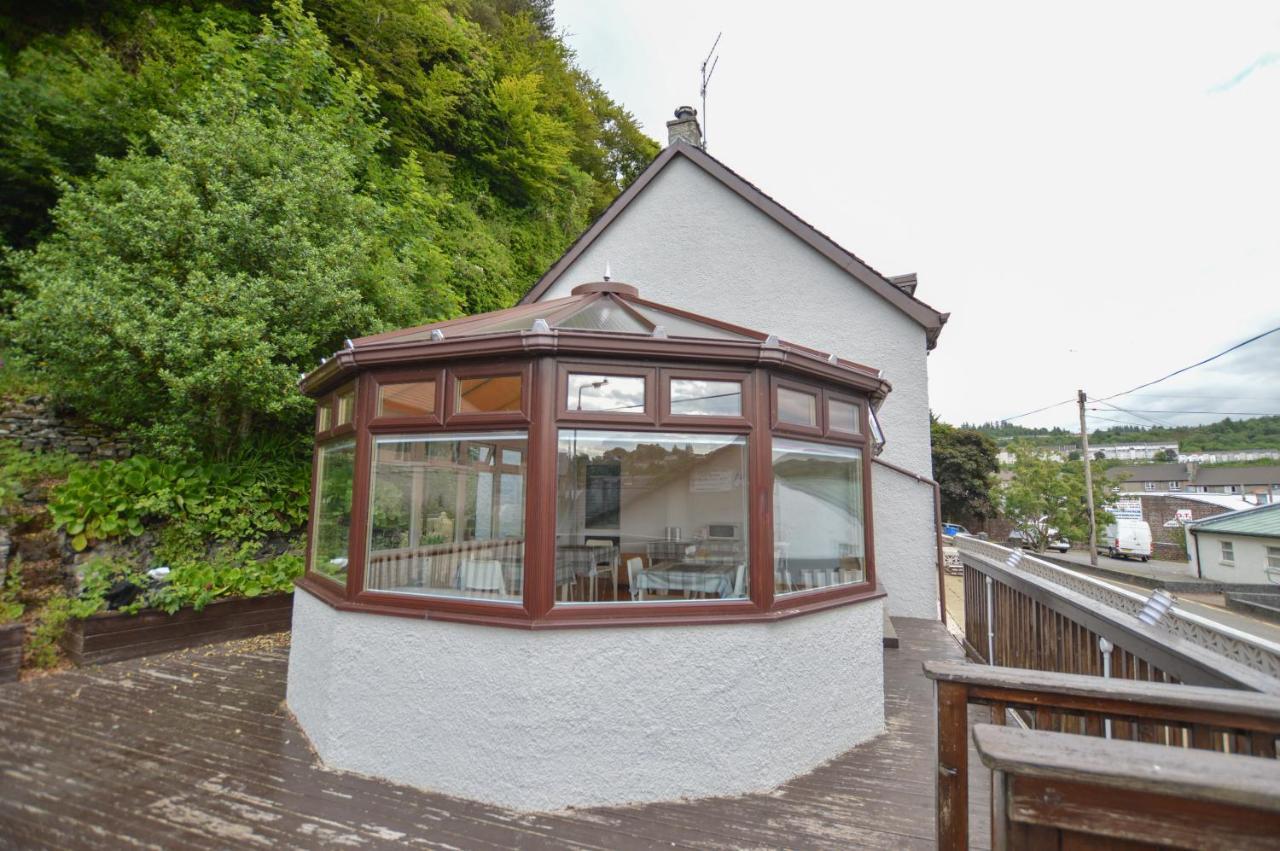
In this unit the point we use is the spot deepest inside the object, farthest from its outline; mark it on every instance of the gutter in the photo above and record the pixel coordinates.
(1195, 536)
(937, 525)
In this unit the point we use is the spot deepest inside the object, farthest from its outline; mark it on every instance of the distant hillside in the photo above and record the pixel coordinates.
(1256, 433)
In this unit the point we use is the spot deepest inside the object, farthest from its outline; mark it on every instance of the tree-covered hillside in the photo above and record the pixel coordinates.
(200, 198)
(1255, 433)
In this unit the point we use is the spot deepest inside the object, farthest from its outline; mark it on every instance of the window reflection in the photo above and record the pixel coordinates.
(331, 527)
(447, 515)
(346, 407)
(819, 539)
(797, 407)
(697, 397)
(843, 416)
(407, 399)
(650, 517)
(622, 394)
(489, 394)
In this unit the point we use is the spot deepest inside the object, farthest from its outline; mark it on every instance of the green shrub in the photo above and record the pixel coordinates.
(229, 573)
(215, 501)
(20, 469)
(11, 607)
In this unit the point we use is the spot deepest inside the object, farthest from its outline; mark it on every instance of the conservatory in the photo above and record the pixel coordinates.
(590, 550)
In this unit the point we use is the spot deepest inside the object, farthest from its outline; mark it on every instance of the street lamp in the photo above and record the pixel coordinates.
(594, 385)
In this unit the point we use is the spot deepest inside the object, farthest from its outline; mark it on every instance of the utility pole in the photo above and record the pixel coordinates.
(1088, 482)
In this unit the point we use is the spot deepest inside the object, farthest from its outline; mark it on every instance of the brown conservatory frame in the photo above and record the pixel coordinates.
(543, 358)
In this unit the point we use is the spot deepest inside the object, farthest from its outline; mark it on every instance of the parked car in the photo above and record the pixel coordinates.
(1129, 538)
(950, 530)
(1018, 538)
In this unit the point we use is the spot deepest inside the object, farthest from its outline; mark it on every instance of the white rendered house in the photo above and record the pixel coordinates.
(691, 233)
(596, 548)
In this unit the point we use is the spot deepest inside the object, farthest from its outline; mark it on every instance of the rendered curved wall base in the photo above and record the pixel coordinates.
(579, 717)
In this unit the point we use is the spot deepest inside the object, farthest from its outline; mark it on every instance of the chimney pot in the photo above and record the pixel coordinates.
(685, 127)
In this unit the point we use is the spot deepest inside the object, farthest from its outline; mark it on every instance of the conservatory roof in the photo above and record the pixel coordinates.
(605, 317)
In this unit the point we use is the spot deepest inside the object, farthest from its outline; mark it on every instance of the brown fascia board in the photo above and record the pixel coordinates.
(805, 362)
(928, 317)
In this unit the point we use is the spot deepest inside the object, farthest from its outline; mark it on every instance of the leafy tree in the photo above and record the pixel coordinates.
(183, 290)
(1046, 497)
(964, 464)
(1167, 455)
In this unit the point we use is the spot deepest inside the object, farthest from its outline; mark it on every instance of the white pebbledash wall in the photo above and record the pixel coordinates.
(1248, 567)
(690, 242)
(580, 717)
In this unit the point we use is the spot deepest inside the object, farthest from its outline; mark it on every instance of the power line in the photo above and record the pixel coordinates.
(1109, 420)
(1157, 381)
(1036, 411)
(1131, 413)
(1223, 413)
(1192, 366)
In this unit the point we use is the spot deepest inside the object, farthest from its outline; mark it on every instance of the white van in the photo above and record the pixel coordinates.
(1129, 538)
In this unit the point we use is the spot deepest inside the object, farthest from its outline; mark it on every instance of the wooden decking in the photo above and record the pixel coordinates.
(194, 750)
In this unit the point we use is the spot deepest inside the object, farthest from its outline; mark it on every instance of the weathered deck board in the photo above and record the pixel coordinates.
(194, 750)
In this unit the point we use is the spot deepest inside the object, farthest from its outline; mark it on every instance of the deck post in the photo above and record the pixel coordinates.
(952, 805)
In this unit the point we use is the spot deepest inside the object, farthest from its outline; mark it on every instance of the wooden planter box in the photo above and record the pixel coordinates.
(11, 651)
(112, 636)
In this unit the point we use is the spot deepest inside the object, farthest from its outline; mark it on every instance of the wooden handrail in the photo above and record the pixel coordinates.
(1059, 790)
(1197, 775)
(1029, 597)
(1199, 717)
(1167, 701)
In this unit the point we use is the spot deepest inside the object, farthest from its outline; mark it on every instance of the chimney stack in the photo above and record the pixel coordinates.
(685, 128)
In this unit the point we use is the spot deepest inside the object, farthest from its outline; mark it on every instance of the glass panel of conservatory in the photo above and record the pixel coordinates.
(819, 539)
(652, 517)
(489, 394)
(447, 515)
(620, 394)
(797, 407)
(346, 405)
(331, 527)
(407, 399)
(843, 416)
(682, 326)
(698, 397)
(604, 314)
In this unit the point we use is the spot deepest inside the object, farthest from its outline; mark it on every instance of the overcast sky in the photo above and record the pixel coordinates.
(1091, 190)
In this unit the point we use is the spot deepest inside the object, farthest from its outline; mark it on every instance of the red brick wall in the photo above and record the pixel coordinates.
(1167, 543)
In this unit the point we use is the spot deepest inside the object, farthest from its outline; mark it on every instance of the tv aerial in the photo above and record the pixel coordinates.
(712, 60)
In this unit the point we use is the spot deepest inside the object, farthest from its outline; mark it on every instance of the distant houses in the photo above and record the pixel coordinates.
(1259, 485)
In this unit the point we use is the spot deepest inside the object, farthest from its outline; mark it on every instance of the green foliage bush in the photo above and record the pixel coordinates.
(20, 470)
(183, 290)
(235, 196)
(11, 607)
(218, 501)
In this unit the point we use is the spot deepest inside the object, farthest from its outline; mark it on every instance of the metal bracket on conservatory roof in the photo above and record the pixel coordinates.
(772, 341)
(659, 332)
(437, 335)
(347, 344)
(540, 326)
(833, 360)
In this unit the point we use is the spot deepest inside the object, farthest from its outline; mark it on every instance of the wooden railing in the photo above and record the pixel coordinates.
(1185, 716)
(434, 565)
(1049, 790)
(1023, 612)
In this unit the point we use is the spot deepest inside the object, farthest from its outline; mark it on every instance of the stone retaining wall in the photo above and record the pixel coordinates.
(34, 422)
